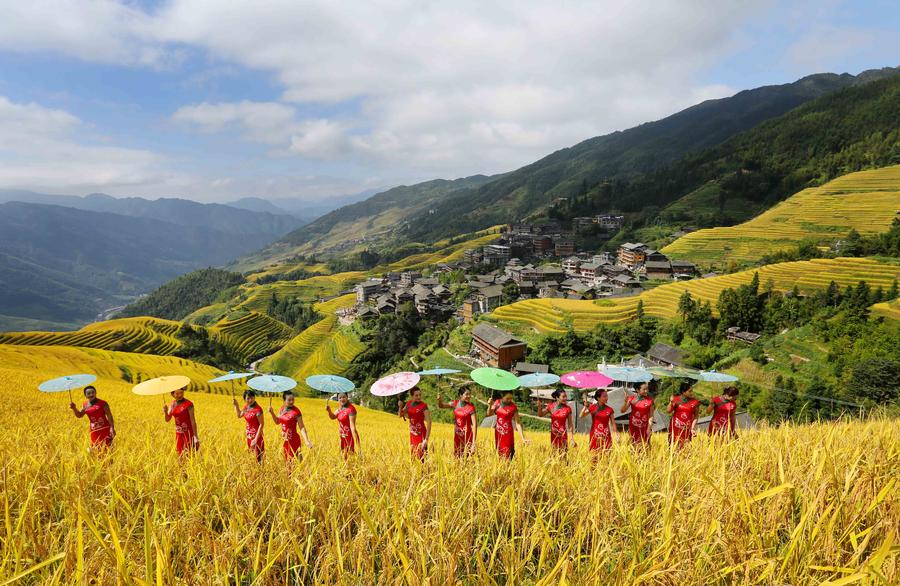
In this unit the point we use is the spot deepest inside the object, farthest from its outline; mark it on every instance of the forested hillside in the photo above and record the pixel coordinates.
(185, 294)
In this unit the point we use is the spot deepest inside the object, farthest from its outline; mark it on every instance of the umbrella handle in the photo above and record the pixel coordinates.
(70, 396)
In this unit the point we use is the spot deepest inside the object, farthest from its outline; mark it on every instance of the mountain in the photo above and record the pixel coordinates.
(257, 204)
(624, 155)
(358, 225)
(448, 208)
(66, 265)
(175, 210)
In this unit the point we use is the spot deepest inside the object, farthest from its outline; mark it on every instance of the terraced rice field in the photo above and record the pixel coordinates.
(449, 254)
(126, 367)
(145, 335)
(887, 310)
(552, 315)
(311, 289)
(333, 356)
(289, 359)
(332, 305)
(252, 335)
(867, 201)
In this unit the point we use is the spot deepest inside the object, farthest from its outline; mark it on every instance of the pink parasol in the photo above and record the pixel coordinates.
(586, 379)
(394, 384)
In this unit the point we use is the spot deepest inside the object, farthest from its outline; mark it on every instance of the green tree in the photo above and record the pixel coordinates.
(876, 381)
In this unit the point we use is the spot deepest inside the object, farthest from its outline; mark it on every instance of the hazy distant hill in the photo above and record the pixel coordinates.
(175, 210)
(61, 264)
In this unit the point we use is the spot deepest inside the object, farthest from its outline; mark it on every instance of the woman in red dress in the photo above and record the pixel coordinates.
(416, 411)
(182, 411)
(252, 415)
(602, 425)
(103, 428)
(683, 407)
(292, 428)
(465, 429)
(346, 418)
(561, 420)
(507, 421)
(640, 419)
(723, 413)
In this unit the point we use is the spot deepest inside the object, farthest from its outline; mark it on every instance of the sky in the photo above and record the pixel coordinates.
(217, 100)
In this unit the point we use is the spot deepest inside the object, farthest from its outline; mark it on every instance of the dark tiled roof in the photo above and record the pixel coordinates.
(531, 367)
(495, 336)
(665, 353)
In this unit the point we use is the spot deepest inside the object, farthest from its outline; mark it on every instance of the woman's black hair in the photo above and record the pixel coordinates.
(555, 394)
(249, 393)
(462, 391)
(731, 391)
(286, 394)
(684, 385)
(599, 393)
(85, 390)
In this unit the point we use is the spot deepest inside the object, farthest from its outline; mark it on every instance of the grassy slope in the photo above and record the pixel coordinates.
(867, 201)
(549, 315)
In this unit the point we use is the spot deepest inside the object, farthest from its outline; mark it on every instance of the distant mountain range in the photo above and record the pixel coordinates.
(305, 209)
(65, 259)
(428, 211)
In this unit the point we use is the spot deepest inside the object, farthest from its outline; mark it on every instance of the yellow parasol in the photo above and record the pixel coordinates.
(162, 385)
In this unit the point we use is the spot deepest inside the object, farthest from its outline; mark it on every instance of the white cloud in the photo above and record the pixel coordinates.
(442, 88)
(44, 148)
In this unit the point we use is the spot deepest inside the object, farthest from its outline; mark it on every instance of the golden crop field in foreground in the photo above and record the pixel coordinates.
(794, 505)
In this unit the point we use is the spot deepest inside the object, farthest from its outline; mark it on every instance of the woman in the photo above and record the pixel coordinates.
(723, 413)
(416, 411)
(507, 420)
(683, 407)
(252, 414)
(601, 415)
(182, 411)
(292, 428)
(465, 429)
(561, 420)
(640, 418)
(346, 418)
(102, 426)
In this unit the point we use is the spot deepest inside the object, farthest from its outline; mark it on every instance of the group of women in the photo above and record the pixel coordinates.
(683, 407)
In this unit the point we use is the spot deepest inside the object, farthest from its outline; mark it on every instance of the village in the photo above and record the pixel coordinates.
(527, 261)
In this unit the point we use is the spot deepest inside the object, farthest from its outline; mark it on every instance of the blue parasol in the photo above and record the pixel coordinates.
(330, 383)
(438, 371)
(66, 383)
(271, 383)
(628, 374)
(538, 379)
(712, 376)
(232, 375)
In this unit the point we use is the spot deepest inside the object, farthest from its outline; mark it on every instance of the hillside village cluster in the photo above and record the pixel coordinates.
(527, 261)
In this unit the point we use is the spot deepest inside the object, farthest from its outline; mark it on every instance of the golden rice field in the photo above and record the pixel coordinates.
(447, 254)
(887, 309)
(252, 334)
(311, 289)
(814, 504)
(552, 315)
(147, 335)
(867, 201)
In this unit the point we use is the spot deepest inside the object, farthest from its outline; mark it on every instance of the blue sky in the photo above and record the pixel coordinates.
(277, 98)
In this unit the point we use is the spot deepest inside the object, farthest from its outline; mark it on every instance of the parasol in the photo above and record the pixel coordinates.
(330, 383)
(271, 384)
(586, 379)
(495, 379)
(538, 379)
(162, 385)
(673, 372)
(712, 376)
(439, 371)
(628, 374)
(394, 384)
(66, 383)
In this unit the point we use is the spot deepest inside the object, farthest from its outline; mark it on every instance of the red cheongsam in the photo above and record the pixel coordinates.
(100, 428)
(288, 420)
(601, 435)
(463, 434)
(415, 413)
(559, 433)
(184, 431)
(343, 418)
(721, 419)
(251, 418)
(503, 430)
(681, 427)
(638, 420)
